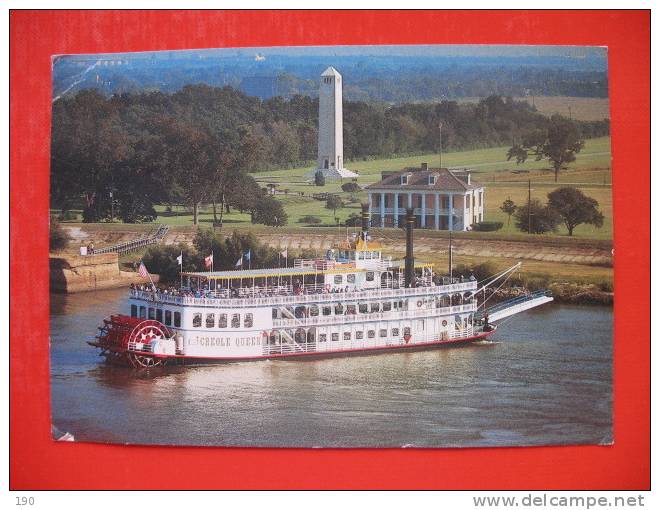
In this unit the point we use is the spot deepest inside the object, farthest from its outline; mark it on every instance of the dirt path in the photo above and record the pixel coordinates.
(393, 241)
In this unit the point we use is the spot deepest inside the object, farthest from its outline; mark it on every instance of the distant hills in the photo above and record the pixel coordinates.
(409, 74)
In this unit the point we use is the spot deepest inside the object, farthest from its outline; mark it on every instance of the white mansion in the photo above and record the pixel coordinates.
(442, 199)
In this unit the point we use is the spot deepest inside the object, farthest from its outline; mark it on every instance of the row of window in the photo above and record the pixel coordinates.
(340, 309)
(209, 322)
(359, 335)
(167, 317)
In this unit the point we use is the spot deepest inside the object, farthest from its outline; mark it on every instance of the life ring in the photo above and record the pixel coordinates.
(419, 303)
(444, 323)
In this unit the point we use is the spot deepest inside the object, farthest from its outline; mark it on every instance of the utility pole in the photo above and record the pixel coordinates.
(451, 260)
(570, 114)
(112, 208)
(440, 128)
(529, 206)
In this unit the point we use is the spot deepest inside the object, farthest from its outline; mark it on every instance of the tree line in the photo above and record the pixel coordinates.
(123, 154)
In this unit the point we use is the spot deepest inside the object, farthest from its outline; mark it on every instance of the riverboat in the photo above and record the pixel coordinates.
(354, 300)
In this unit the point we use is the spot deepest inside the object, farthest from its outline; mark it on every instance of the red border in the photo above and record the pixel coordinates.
(37, 462)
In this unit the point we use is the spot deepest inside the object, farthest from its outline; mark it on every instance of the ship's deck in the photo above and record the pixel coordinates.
(277, 295)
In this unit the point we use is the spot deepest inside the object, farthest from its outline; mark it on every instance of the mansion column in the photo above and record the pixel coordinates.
(436, 205)
(396, 209)
(451, 212)
(423, 223)
(382, 210)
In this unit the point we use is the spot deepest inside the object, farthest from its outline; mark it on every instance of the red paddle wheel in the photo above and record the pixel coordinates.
(120, 337)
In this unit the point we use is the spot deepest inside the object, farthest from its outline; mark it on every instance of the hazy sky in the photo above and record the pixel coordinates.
(445, 50)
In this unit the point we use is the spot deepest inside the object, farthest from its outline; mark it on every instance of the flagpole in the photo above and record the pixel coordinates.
(153, 286)
(181, 271)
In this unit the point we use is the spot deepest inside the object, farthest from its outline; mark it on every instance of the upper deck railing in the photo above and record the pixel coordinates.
(224, 298)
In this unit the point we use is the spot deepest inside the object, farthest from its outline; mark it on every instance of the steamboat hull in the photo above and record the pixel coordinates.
(145, 359)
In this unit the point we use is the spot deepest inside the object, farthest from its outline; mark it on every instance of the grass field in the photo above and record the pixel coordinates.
(581, 108)
(591, 172)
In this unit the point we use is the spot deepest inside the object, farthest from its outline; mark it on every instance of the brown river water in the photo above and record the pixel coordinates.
(545, 379)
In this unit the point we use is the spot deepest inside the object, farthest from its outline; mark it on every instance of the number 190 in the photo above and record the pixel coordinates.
(23, 501)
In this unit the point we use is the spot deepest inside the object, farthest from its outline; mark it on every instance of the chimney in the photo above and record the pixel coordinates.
(425, 166)
(365, 221)
(409, 275)
(468, 177)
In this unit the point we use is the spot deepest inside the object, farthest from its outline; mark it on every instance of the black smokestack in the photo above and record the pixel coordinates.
(365, 221)
(410, 260)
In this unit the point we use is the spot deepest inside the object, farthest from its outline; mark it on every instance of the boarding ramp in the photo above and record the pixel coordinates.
(516, 305)
(153, 237)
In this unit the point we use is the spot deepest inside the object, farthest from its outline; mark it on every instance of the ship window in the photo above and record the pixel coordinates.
(313, 311)
(222, 320)
(236, 320)
(323, 337)
(339, 309)
(375, 307)
(387, 306)
(370, 276)
(275, 314)
(152, 313)
(327, 310)
(371, 333)
(350, 309)
(347, 335)
(247, 321)
(133, 310)
(335, 337)
(395, 331)
(197, 320)
(383, 333)
(177, 319)
(159, 315)
(210, 320)
(339, 279)
(406, 331)
(168, 317)
(359, 335)
(350, 278)
(363, 308)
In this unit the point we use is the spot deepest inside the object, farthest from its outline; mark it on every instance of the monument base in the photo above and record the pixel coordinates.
(332, 173)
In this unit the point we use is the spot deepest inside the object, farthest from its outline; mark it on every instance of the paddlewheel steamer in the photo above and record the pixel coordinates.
(352, 301)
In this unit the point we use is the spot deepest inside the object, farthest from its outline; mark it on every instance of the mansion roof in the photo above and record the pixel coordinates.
(419, 179)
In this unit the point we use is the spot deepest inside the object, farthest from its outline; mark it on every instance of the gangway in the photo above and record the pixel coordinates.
(135, 244)
(516, 305)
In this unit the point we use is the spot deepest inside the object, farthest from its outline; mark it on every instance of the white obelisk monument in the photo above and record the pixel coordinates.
(331, 128)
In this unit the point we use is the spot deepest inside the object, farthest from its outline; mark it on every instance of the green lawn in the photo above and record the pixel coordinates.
(591, 172)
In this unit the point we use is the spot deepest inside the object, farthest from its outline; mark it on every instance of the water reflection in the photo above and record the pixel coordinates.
(545, 380)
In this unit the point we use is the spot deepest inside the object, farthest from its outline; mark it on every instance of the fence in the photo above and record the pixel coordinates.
(135, 244)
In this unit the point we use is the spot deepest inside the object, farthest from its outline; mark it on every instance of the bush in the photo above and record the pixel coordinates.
(487, 226)
(480, 271)
(58, 238)
(312, 220)
(319, 178)
(161, 260)
(350, 187)
(68, 216)
(354, 220)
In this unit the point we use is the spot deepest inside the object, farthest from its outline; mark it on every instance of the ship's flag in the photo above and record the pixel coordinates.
(247, 255)
(240, 262)
(208, 261)
(179, 259)
(285, 253)
(142, 270)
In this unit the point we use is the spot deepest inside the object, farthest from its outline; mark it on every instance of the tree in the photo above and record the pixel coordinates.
(333, 202)
(563, 143)
(508, 207)
(543, 218)
(575, 208)
(58, 238)
(350, 187)
(319, 178)
(269, 211)
(559, 144)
